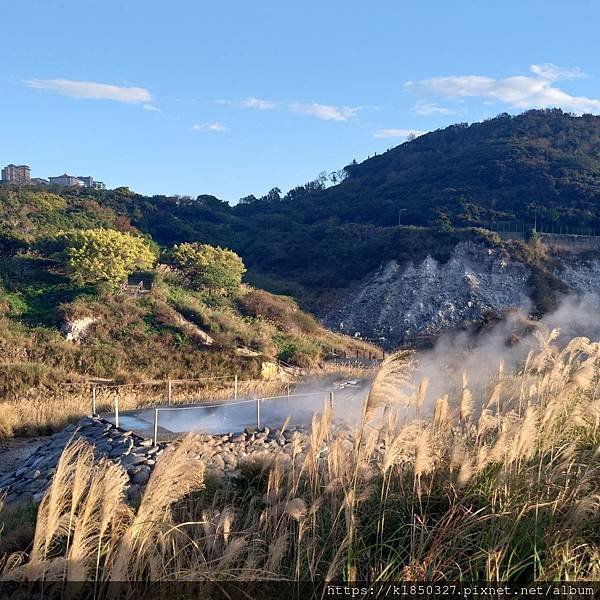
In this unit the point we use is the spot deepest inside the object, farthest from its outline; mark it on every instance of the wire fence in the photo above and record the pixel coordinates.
(105, 396)
(328, 396)
(554, 229)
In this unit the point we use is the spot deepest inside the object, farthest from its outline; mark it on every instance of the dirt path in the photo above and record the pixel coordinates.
(14, 452)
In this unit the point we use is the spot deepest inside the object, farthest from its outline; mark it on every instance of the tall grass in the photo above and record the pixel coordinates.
(497, 484)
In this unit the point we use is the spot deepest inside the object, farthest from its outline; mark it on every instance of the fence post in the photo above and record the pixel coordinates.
(155, 435)
(117, 412)
(235, 388)
(169, 392)
(258, 413)
(331, 403)
(94, 400)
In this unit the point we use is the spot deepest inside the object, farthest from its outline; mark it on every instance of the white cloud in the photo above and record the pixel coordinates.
(325, 112)
(259, 103)
(398, 133)
(216, 126)
(431, 108)
(522, 91)
(553, 73)
(90, 89)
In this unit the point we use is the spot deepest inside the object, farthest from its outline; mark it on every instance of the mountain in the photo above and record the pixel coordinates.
(489, 171)
(54, 328)
(328, 246)
(446, 182)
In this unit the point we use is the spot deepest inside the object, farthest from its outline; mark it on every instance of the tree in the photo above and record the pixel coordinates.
(94, 255)
(444, 223)
(124, 191)
(210, 267)
(273, 195)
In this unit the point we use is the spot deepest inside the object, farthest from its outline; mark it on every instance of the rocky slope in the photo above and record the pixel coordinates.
(222, 455)
(402, 303)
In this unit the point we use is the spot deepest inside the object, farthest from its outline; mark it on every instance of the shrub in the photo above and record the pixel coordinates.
(215, 269)
(282, 311)
(95, 255)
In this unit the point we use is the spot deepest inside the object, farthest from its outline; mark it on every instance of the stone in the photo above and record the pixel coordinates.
(141, 478)
(74, 330)
(134, 493)
(133, 459)
(38, 485)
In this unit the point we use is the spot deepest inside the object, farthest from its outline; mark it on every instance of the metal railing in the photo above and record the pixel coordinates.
(258, 401)
(169, 388)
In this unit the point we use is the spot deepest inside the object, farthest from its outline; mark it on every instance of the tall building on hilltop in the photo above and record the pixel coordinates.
(65, 180)
(80, 181)
(16, 174)
(89, 182)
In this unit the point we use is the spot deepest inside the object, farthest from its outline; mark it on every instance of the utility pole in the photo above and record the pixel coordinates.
(400, 211)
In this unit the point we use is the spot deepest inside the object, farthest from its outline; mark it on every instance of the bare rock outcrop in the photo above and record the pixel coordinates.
(75, 330)
(399, 303)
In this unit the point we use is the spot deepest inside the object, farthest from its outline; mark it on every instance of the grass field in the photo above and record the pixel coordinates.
(500, 487)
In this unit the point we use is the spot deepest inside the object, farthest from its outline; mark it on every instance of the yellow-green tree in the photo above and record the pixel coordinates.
(215, 269)
(94, 255)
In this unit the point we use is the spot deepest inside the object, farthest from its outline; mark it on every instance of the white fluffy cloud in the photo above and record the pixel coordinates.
(398, 133)
(522, 91)
(326, 112)
(432, 108)
(216, 127)
(259, 103)
(91, 89)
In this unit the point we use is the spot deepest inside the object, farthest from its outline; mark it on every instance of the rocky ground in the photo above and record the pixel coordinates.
(222, 455)
(14, 452)
(403, 303)
(399, 303)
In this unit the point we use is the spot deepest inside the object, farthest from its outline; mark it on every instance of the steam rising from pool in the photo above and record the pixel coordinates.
(306, 399)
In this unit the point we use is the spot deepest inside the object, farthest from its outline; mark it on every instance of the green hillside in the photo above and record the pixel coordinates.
(160, 334)
(310, 241)
(316, 238)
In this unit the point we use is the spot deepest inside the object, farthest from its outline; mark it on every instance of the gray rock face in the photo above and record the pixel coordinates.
(399, 303)
(75, 330)
(582, 275)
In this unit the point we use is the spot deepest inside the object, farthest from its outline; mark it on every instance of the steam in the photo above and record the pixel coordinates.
(306, 399)
(503, 349)
(461, 370)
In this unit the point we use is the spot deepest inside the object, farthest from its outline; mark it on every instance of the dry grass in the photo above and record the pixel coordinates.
(41, 412)
(501, 485)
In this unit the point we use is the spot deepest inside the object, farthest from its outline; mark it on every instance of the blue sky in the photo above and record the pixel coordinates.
(232, 98)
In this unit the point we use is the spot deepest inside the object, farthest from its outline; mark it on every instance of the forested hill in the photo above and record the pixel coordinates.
(322, 237)
(493, 170)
